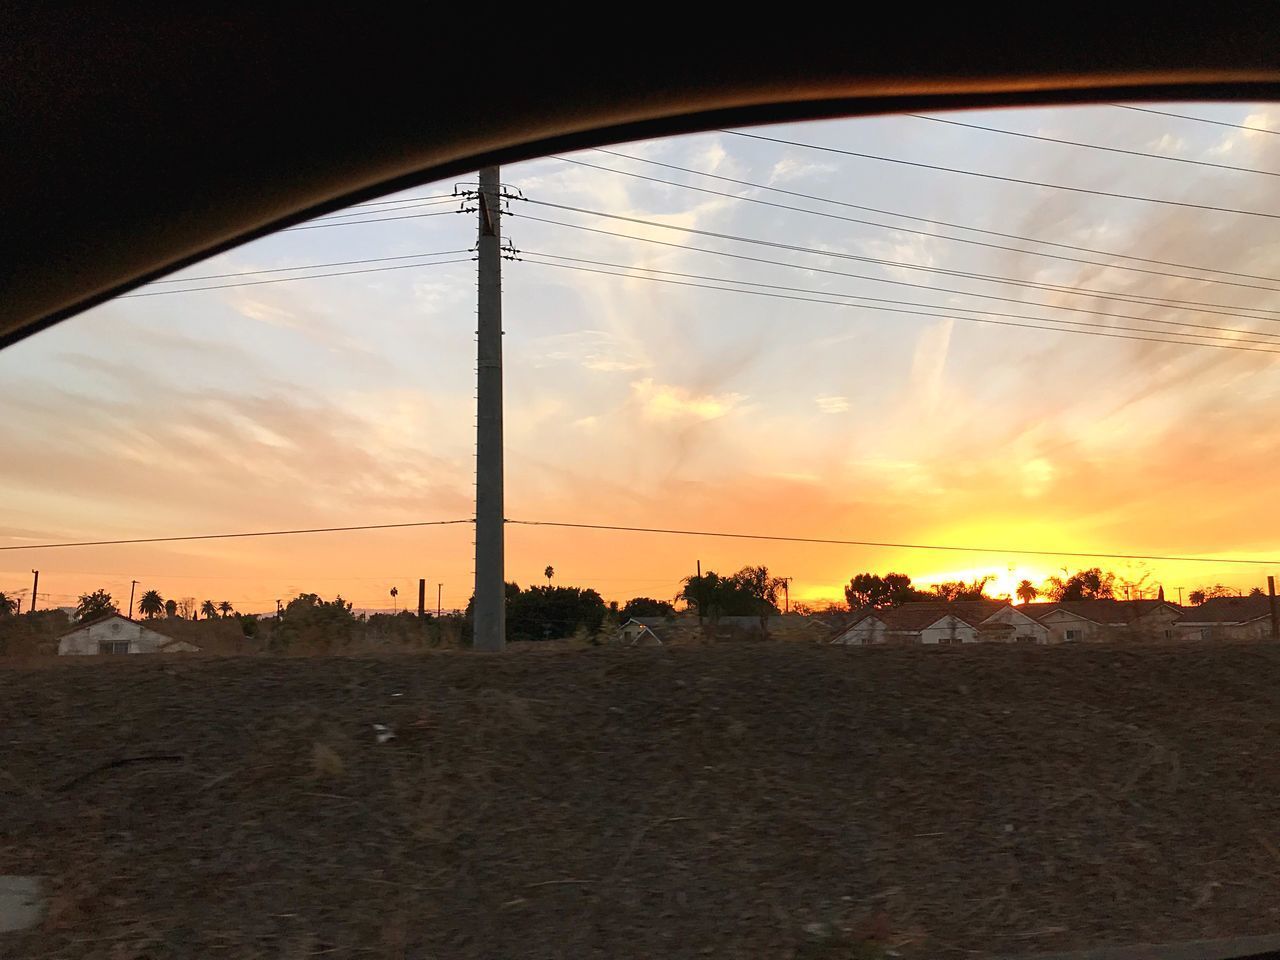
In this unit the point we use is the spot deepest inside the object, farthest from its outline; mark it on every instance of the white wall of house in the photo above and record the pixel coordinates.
(117, 635)
(949, 629)
(866, 631)
(1063, 627)
(1025, 629)
(1259, 629)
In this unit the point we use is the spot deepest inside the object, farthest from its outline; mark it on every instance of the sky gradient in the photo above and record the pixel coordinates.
(350, 399)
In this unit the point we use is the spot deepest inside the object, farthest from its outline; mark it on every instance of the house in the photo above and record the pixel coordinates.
(1069, 621)
(116, 633)
(942, 622)
(656, 631)
(1227, 618)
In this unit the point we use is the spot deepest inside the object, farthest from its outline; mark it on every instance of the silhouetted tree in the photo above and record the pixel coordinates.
(1257, 592)
(1199, 596)
(549, 573)
(225, 608)
(187, 608)
(870, 591)
(8, 605)
(209, 609)
(151, 605)
(171, 609)
(645, 607)
(1027, 591)
(1091, 584)
(545, 613)
(763, 590)
(96, 604)
(953, 590)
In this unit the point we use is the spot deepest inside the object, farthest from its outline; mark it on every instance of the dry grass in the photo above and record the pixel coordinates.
(740, 801)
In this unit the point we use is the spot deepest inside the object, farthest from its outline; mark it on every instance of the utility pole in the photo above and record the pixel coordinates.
(133, 585)
(422, 598)
(1275, 616)
(786, 592)
(1179, 596)
(34, 587)
(439, 591)
(490, 606)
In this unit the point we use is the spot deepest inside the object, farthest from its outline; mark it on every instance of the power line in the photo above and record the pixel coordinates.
(352, 223)
(1183, 116)
(309, 266)
(932, 306)
(995, 176)
(234, 536)
(314, 276)
(873, 279)
(355, 212)
(942, 316)
(430, 196)
(921, 233)
(898, 546)
(945, 223)
(1095, 146)
(1197, 306)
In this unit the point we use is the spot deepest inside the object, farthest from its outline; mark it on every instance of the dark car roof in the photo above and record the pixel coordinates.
(138, 142)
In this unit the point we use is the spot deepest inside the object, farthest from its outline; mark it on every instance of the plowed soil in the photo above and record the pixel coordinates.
(758, 800)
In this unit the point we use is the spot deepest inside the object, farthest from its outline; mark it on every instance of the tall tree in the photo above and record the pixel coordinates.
(209, 609)
(151, 605)
(96, 604)
(1091, 584)
(763, 590)
(225, 608)
(171, 609)
(870, 591)
(8, 605)
(1027, 591)
(549, 573)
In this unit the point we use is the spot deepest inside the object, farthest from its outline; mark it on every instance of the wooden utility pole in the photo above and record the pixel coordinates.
(422, 598)
(133, 585)
(34, 586)
(1275, 617)
(490, 632)
(786, 592)
(698, 603)
(439, 593)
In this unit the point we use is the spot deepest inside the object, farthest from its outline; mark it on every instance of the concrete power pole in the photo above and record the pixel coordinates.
(34, 587)
(1275, 615)
(490, 605)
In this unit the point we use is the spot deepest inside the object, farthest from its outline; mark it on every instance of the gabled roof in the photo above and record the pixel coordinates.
(922, 614)
(1100, 611)
(1229, 610)
(84, 624)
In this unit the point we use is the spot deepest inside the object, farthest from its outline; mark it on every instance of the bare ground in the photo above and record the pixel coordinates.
(731, 801)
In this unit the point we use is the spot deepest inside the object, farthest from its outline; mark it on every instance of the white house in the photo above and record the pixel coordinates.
(1227, 618)
(1070, 621)
(116, 633)
(941, 622)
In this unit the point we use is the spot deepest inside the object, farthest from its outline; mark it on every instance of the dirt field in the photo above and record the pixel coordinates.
(729, 801)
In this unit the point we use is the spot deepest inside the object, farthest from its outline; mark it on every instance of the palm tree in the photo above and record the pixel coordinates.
(549, 573)
(394, 604)
(151, 605)
(226, 608)
(209, 609)
(1027, 591)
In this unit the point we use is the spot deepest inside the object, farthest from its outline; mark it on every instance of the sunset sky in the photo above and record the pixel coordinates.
(350, 399)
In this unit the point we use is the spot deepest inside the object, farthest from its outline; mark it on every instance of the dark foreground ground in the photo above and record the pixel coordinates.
(752, 801)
